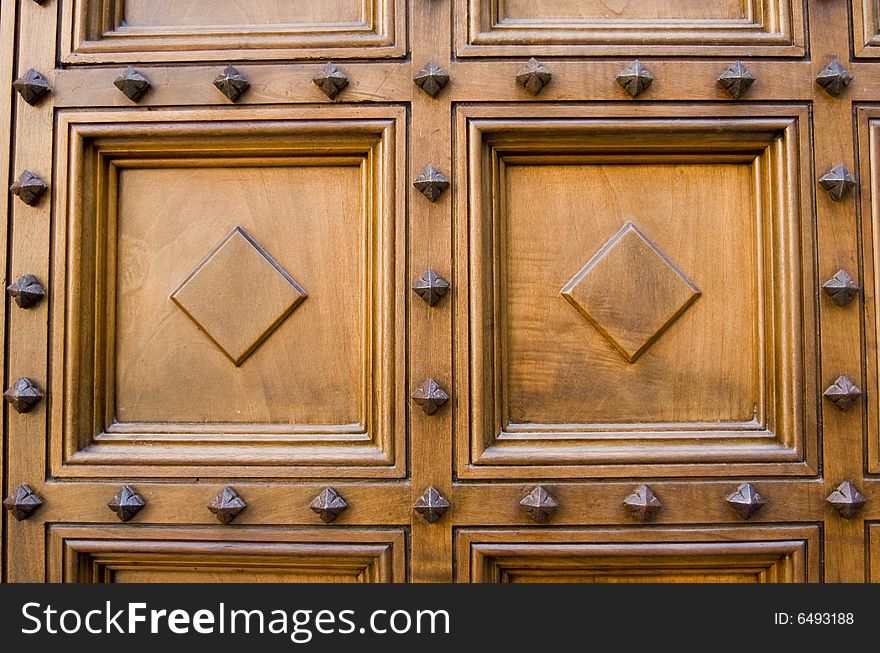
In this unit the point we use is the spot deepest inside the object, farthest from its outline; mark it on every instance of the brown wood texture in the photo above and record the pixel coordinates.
(632, 291)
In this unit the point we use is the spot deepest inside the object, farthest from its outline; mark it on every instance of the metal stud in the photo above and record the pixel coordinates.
(746, 500)
(847, 500)
(643, 504)
(26, 291)
(431, 505)
(431, 79)
(23, 503)
(29, 188)
(737, 79)
(32, 86)
(227, 505)
(430, 396)
(328, 505)
(431, 183)
(834, 78)
(635, 78)
(127, 503)
(23, 395)
(331, 80)
(132, 84)
(842, 288)
(837, 182)
(539, 504)
(430, 287)
(843, 393)
(534, 76)
(231, 83)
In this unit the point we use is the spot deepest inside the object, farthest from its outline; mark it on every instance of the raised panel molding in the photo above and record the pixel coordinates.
(866, 28)
(108, 554)
(234, 408)
(772, 554)
(658, 27)
(873, 553)
(531, 366)
(122, 31)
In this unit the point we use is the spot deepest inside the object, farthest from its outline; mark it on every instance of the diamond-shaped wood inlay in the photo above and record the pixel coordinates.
(238, 295)
(630, 291)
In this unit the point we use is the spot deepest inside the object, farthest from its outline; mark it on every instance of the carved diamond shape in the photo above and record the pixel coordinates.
(746, 500)
(430, 287)
(27, 291)
(231, 83)
(834, 78)
(227, 505)
(132, 84)
(238, 295)
(23, 503)
(127, 503)
(643, 504)
(843, 393)
(23, 395)
(430, 396)
(431, 79)
(842, 288)
(431, 505)
(328, 505)
(837, 182)
(635, 78)
(331, 80)
(29, 188)
(32, 86)
(534, 76)
(630, 292)
(431, 183)
(737, 79)
(847, 500)
(539, 504)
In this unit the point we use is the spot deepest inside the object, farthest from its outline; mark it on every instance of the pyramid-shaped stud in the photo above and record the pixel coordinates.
(643, 504)
(231, 83)
(29, 188)
(227, 505)
(843, 393)
(837, 182)
(23, 503)
(430, 287)
(431, 183)
(846, 500)
(539, 504)
(430, 396)
(841, 288)
(331, 80)
(635, 78)
(127, 503)
(834, 78)
(23, 395)
(32, 86)
(737, 79)
(328, 505)
(431, 505)
(132, 84)
(534, 76)
(746, 500)
(26, 291)
(431, 78)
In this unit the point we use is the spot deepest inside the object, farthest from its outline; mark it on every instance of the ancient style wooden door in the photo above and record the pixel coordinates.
(433, 290)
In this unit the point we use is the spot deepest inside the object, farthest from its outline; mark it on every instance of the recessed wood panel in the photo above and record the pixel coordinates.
(601, 27)
(230, 293)
(81, 554)
(784, 554)
(873, 551)
(640, 292)
(157, 30)
(866, 28)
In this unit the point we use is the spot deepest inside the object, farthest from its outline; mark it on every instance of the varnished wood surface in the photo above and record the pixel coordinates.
(727, 392)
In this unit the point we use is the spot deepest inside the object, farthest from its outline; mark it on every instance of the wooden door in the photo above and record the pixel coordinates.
(434, 290)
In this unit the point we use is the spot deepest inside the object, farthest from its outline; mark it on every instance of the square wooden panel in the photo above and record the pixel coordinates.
(230, 293)
(873, 563)
(866, 28)
(115, 554)
(602, 28)
(773, 554)
(640, 293)
(123, 31)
